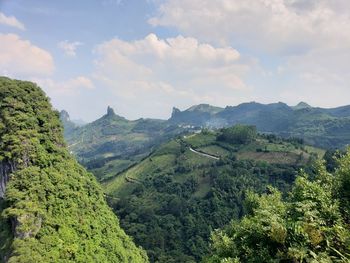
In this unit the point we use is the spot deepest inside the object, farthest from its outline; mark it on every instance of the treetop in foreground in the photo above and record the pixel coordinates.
(312, 225)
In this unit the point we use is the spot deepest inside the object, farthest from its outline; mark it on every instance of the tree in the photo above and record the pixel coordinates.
(238, 134)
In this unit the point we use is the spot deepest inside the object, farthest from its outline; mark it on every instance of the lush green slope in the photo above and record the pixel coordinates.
(52, 210)
(312, 225)
(113, 143)
(172, 200)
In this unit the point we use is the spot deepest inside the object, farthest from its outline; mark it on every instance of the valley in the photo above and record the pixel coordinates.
(172, 182)
(172, 200)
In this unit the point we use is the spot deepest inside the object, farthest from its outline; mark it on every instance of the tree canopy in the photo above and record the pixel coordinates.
(238, 134)
(311, 225)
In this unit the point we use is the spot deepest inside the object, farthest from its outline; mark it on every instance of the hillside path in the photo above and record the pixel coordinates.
(204, 154)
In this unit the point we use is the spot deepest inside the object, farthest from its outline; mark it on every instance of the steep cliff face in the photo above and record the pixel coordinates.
(51, 209)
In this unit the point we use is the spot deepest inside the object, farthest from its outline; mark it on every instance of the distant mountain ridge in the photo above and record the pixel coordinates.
(120, 143)
(326, 128)
(116, 140)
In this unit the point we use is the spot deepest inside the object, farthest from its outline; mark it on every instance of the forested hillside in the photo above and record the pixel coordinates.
(311, 225)
(112, 143)
(52, 210)
(172, 200)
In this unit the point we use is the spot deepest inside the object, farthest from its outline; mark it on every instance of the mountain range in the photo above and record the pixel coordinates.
(114, 137)
(326, 128)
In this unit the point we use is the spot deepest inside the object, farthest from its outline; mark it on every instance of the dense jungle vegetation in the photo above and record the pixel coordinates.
(172, 200)
(310, 225)
(52, 210)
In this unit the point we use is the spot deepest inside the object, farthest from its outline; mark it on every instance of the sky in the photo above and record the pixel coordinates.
(142, 57)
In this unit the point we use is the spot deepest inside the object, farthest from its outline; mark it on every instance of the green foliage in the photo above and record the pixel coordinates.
(112, 143)
(238, 134)
(53, 210)
(312, 225)
(343, 185)
(172, 200)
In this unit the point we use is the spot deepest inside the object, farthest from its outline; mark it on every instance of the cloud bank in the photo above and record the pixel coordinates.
(152, 73)
(19, 57)
(309, 39)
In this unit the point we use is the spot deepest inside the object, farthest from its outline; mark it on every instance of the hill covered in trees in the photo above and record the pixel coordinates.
(172, 200)
(310, 225)
(52, 210)
(112, 143)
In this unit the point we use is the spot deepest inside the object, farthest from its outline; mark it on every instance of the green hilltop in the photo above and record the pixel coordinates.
(52, 210)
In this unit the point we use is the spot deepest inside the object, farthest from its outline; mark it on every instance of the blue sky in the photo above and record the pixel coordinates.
(143, 57)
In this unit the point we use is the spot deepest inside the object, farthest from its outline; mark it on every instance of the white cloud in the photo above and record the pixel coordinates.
(69, 48)
(20, 57)
(65, 88)
(11, 21)
(153, 74)
(303, 45)
(321, 77)
(273, 25)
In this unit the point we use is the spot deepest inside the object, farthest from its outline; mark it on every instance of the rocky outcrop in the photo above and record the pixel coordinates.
(26, 225)
(175, 112)
(110, 111)
(6, 168)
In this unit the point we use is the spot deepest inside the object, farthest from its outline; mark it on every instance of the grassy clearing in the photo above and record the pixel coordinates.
(193, 159)
(111, 169)
(201, 139)
(273, 157)
(152, 165)
(214, 150)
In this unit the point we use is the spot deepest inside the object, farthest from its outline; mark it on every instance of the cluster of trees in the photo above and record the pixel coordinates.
(310, 225)
(53, 210)
(238, 134)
